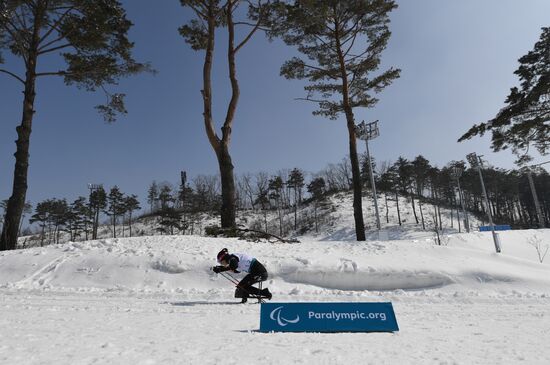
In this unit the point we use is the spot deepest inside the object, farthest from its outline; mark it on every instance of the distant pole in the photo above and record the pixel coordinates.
(477, 162)
(535, 199)
(456, 174)
(534, 193)
(367, 132)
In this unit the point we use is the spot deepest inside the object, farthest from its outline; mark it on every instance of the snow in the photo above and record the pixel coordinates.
(154, 300)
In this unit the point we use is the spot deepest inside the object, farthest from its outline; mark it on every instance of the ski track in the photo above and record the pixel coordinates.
(43, 275)
(47, 327)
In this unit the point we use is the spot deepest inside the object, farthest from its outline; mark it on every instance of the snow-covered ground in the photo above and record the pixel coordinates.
(154, 300)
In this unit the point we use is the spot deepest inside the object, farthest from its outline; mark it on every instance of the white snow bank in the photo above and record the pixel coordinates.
(181, 264)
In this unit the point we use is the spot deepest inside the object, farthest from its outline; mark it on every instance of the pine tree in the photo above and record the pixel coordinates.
(90, 37)
(420, 168)
(152, 195)
(170, 218)
(342, 42)
(131, 204)
(200, 34)
(41, 215)
(392, 180)
(317, 190)
(524, 121)
(165, 196)
(98, 202)
(115, 207)
(405, 179)
(59, 216)
(275, 193)
(296, 183)
(79, 217)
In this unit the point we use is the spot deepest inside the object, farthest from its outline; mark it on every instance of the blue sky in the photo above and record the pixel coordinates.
(457, 60)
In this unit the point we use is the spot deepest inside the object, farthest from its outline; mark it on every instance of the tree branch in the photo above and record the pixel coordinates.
(251, 33)
(13, 75)
(247, 38)
(54, 26)
(54, 73)
(55, 48)
(309, 99)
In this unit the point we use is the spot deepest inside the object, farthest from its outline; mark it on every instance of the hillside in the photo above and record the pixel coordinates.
(334, 221)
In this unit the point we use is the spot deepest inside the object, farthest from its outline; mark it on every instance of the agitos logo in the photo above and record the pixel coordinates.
(281, 321)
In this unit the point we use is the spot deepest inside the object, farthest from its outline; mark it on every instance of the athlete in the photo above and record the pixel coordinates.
(256, 273)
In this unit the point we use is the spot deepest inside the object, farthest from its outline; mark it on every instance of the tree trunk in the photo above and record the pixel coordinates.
(295, 210)
(421, 215)
(354, 159)
(43, 235)
(316, 224)
(439, 211)
(228, 209)
(414, 207)
(221, 146)
(397, 204)
(16, 203)
(96, 224)
(387, 209)
(114, 226)
(280, 216)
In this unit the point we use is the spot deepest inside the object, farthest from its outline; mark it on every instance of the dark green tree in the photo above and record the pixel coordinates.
(262, 194)
(165, 196)
(275, 188)
(524, 121)
(169, 218)
(200, 34)
(131, 204)
(317, 190)
(420, 168)
(41, 215)
(59, 216)
(98, 202)
(90, 41)
(404, 171)
(296, 183)
(342, 42)
(79, 218)
(388, 183)
(152, 195)
(115, 206)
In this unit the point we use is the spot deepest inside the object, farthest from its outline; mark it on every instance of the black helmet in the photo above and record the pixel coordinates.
(222, 254)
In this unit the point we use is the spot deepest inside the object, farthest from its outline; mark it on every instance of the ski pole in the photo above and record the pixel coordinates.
(234, 281)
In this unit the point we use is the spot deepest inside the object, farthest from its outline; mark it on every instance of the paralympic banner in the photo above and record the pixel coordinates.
(328, 317)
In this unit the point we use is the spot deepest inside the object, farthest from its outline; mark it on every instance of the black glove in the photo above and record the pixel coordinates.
(217, 269)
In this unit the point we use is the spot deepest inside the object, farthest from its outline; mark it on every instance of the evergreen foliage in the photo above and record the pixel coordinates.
(91, 40)
(524, 121)
(342, 42)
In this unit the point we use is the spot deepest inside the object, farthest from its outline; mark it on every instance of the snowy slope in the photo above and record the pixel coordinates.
(181, 264)
(335, 222)
(153, 300)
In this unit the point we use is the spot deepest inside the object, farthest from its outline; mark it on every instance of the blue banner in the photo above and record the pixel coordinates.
(328, 317)
(503, 227)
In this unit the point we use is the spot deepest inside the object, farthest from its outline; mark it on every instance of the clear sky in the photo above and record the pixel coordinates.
(457, 59)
